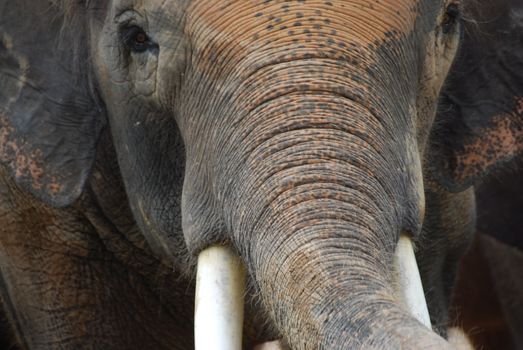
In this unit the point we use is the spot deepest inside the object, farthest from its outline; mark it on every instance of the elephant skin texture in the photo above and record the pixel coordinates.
(306, 135)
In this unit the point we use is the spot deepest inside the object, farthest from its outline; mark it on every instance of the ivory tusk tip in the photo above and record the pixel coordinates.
(411, 289)
(220, 288)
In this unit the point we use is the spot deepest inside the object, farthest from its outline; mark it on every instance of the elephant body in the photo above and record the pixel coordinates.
(305, 135)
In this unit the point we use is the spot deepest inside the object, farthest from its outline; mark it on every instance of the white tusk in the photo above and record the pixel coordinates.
(411, 289)
(220, 288)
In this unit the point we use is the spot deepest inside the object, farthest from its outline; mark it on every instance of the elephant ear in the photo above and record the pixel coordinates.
(49, 121)
(481, 107)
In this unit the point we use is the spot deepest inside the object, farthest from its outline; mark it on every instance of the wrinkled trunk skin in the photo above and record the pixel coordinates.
(326, 221)
(315, 166)
(323, 186)
(325, 239)
(316, 213)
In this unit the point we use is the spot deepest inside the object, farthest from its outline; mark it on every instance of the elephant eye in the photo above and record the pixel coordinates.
(135, 39)
(450, 18)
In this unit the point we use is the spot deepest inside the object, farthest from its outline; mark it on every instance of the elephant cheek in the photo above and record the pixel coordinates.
(157, 241)
(146, 71)
(202, 220)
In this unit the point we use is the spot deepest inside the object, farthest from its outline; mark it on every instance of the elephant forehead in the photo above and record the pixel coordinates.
(363, 21)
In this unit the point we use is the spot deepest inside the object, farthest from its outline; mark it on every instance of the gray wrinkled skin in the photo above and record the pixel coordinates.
(304, 134)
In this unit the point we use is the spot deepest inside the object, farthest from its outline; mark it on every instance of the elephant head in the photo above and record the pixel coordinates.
(299, 133)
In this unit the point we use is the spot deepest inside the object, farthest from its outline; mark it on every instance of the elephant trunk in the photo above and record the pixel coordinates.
(321, 198)
(329, 282)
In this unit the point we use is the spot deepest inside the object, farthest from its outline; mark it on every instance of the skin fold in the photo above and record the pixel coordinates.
(307, 135)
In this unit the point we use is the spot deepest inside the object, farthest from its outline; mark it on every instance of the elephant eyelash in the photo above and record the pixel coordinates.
(450, 18)
(135, 39)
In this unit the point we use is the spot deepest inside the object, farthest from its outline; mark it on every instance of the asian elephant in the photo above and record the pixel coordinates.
(303, 134)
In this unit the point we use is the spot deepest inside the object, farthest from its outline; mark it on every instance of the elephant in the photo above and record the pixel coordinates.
(306, 136)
